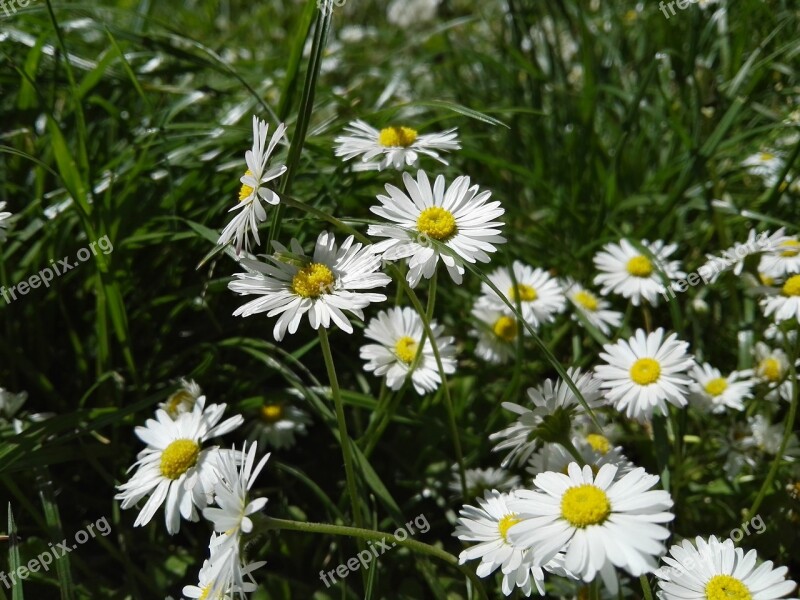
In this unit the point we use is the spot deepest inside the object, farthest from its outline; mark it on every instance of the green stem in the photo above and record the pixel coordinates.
(648, 592)
(342, 423)
(377, 536)
(570, 447)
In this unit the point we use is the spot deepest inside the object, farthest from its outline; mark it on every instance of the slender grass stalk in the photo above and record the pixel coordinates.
(646, 589)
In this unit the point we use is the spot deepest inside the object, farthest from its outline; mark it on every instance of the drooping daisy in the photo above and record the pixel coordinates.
(626, 271)
(709, 390)
(254, 188)
(783, 260)
(183, 400)
(175, 469)
(489, 523)
(785, 306)
(540, 296)
(496, 332)
(480, 481)
(553, 405)
(595, 450)
(599, 521)
(278, 423)
(216, 580)
(645, 372)
(4, 221)
(714, 570)
(324, 285)
(398, 333)
(394, 146)
(592, 307)
(766, 165)
(459, 217)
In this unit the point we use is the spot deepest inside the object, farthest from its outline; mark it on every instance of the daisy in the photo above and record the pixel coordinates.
(175, 469)
(398, 333)
(599, 521)
(553, 405)
(496, 332)
(278, 423)
(786, 305)
(711, 391)
(714, 570)
(4, 221)
(394, 146)
(628, 272)
(735, 256)
(216, 577)
(488, 524)
(323, 285)
(645, 372)
(771, 368)
(595, 450)
(766, 165)
(10, 403)
(254, 189)
(592, 308)
(768, 438)
(183, 400)
(458, 217)
(539, 295)
(783, 260)
(479, 481)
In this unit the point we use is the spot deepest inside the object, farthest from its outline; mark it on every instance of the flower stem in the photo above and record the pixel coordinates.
(342, 423)
(648, 593)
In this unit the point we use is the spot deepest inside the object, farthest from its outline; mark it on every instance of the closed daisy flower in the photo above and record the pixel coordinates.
(323, 285)
(175, 469)
(626, 271)
(540, 296)
(715, 393)
(398, 333)
(645, 373)
(459, 217)
(598, 521)
(785, 305)
(394, 146)
(254, 188)
(496, 332)
(714, 570)
(592, 308)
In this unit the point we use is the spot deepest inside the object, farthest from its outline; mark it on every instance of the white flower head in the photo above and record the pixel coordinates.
(735, 256)
(10, 403)
(480, 481)
(785, 305)
(394, 146)
(223, 576)
(783, 260)
(595, 450)
(772, 369)
(592, 307)
(278, 423)
(398, 333)
(323, 286)
(712, 392)
(644, 373)
(497, 332)
(183, 400)
(254, 188)
(766, 165)
(459, 217)
(5, 219)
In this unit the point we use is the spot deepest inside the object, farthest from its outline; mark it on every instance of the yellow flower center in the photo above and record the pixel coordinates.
(640, 266)
(179, 457)
(406, 349)
(505, 328)
(522, 292)
(587, 300)
(585, 505)
(792, 286)
(504, 524)
(245, 190)
(271, 413)
(725, 587)
(766, 156)
(794, 248)
(395, 136)
(645, 371)
(716, 386)
(313, 280)
(599, 443)
(175, 401)
(437, 223)
(770, 368)
(766, 279)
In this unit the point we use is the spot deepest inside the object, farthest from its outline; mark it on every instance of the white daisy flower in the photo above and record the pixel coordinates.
(592, 307)
(783, 260)
(781, 333)
(735, 256)
(217, 577)
(480, 481)
(458, 216)
(488, 524)
(398, 332)
(595, 450)
(496, 333)
(766, 165)
(539, 295)
(768, 438)
(645, 372)
(393, 146)
(714, 570)
(323, 285)
(175, 469)
(631, 274)
(550, 402)
(10, 403)
(786, 305)
(772, 369)
(4, 221)
(278, 423)
(183, 400)
(254, 189)
(710, 391)
(599, 522)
